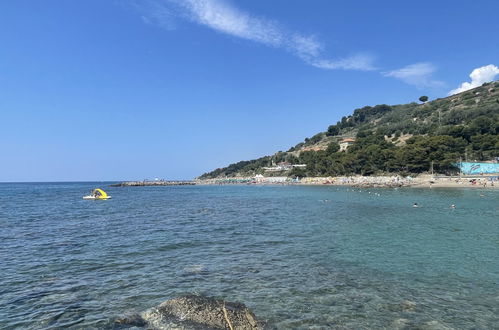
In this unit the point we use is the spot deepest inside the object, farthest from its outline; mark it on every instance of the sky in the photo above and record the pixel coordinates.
(140, 89)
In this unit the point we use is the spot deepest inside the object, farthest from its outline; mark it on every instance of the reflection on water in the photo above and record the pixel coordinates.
(298, 256)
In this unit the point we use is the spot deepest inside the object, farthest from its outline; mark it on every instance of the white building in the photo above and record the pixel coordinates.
(283, 166)
(345, 143)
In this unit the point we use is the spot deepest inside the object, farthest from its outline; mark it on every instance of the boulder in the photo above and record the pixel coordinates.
(196, 312)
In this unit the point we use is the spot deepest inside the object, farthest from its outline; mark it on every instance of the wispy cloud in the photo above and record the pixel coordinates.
(478, 77)
(363, 62)
(418, 74)
(221, 16)
(153, 12)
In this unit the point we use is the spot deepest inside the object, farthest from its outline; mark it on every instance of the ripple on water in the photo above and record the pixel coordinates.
(300, 257)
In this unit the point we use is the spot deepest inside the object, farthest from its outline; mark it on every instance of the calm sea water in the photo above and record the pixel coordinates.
(300, 257)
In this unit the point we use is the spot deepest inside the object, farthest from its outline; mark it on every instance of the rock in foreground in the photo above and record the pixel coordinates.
(196, 312)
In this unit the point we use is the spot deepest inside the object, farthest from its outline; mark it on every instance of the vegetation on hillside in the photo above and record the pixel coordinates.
(405, 139)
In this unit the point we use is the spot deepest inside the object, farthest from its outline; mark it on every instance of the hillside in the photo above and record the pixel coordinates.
(407, 138)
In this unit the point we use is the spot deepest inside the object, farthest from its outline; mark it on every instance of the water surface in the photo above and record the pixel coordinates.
(299, 256)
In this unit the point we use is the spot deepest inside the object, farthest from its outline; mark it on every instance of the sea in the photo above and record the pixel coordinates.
(300, 257)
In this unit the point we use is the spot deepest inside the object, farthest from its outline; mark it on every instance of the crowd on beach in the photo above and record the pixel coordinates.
(362, 181)
(479, 182)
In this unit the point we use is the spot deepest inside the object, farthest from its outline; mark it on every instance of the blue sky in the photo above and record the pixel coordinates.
(129, 89)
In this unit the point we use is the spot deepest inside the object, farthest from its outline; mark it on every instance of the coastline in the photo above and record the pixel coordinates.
(395, 181)
(421, 181)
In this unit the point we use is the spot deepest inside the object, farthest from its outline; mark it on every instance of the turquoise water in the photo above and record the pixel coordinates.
(299, 256)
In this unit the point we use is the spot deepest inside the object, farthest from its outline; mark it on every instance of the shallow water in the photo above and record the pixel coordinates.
(299, 256)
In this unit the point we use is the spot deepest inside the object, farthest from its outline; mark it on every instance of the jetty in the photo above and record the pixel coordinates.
(146, 183)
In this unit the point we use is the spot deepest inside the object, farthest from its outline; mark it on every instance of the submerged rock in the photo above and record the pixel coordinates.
(399, 324)
(408, 305)
(435, 325)
(195, 312)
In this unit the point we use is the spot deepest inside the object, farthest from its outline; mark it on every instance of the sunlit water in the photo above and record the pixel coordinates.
(298, 256)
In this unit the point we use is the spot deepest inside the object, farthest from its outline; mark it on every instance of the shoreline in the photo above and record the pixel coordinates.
(422, 181)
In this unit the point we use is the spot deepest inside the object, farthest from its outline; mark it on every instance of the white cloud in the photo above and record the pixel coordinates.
(221, 16)
(418, 74)
(309, 49)
(478, 77)
(305, 46)
(361, 62)
(224, 18)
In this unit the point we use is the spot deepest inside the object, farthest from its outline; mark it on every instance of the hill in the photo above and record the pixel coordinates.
(406, 139)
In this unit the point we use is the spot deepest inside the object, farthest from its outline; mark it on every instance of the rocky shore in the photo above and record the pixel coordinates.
(426, 181)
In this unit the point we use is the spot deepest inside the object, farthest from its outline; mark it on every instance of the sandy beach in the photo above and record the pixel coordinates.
(456, 182)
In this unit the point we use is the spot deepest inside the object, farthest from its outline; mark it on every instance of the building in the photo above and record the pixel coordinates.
(259, 178)
(469, 168)
(283, 166)
(345, 143)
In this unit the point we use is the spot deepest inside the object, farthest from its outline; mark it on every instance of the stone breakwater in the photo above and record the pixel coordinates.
(152, 183)
(195, 312)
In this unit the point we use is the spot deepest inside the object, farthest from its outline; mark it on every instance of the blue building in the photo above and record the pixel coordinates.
(478, 168)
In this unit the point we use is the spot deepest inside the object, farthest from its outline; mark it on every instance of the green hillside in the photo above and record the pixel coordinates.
(406, 139)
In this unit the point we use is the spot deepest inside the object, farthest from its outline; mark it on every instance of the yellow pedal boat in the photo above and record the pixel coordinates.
(97, 194)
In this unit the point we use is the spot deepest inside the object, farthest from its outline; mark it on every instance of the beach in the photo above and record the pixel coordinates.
(421, 181)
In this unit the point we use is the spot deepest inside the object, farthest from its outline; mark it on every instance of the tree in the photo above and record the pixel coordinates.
(423, 98)
(332, 148)
(333, 130)
(297, 172)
